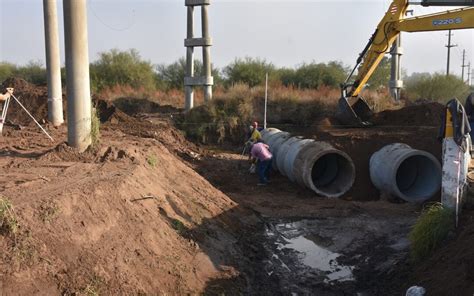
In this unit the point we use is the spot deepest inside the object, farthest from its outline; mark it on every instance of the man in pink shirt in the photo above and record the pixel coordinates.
(262, 154)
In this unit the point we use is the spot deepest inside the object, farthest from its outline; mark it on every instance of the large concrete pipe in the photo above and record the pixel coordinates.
(317, 165)
(410, 174)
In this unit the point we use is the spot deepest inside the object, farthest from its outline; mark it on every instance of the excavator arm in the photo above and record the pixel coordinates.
(353, 110)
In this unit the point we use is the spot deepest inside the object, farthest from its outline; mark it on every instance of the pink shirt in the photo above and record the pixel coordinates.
(261, 152)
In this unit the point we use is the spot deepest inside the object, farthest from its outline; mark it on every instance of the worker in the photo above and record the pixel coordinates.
(260, 152)
(254, 133)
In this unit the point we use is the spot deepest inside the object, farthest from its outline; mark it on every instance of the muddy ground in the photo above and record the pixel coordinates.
(148, 212)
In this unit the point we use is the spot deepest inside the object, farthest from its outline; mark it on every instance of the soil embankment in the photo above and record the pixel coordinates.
(150, 213)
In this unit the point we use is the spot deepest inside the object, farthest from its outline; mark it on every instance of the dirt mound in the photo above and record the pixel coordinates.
(112, 226)
(428, 114)
(34, 98)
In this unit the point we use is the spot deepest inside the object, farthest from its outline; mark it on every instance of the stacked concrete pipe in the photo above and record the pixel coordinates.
(410, 174)
(317, 165)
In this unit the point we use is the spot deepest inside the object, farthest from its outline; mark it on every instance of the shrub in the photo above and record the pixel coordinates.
(437, 87)
(33, 72)
(122, 68)
(248, 71)
(430, 230)
(8, 222)
(95, 128)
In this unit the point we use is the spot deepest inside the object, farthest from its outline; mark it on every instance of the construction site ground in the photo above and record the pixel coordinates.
(148, 212)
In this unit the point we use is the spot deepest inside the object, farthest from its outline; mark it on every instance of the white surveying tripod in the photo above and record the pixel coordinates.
(6, 99)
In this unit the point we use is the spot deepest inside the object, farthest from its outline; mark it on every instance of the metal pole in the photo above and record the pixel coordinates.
(53, 65)
(396, 83)
(206, 52)
(266, 102)
(188, 89)
(77, 69)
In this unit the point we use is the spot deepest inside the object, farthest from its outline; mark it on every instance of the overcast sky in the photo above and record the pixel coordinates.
(286, 33)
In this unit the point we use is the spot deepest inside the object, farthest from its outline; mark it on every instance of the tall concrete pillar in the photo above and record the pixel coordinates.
(189, 92)
(53, 65)
(396, 82)
(206, 80)
(77, 74)
(206, 52)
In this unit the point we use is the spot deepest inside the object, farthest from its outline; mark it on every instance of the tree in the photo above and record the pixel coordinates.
(117, 67)
(248, 70)
(314, 75)
(437, 87)
(381, 75)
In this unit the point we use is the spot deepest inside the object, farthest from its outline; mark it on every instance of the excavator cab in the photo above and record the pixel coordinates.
(354, 112)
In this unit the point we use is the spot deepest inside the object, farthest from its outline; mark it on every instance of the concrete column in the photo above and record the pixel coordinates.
(206, 52)
(396, 84)
(77, 70)
(53, 65)
(189, 93)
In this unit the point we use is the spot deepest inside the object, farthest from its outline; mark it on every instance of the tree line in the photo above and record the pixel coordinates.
(117, 67)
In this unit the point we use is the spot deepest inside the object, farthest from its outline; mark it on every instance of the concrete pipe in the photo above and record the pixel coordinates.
(282, 152)
(324, 169)
(410, 174)
(268, 133)
(317, 165)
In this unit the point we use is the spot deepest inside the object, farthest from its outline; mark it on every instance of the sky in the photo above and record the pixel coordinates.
(286, 33)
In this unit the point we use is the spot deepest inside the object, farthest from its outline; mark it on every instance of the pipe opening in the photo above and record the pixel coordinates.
(418, 177)
(332, 173)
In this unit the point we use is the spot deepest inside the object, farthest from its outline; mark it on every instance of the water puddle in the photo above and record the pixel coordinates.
(291, 240)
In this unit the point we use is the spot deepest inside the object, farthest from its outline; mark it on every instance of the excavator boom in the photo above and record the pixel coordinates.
(353, 110)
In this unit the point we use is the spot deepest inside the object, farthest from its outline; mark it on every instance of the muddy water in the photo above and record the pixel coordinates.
(329, 256)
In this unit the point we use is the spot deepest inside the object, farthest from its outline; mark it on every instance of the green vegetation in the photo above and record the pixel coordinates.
(33, 72)
(122, 68)
(152, 161)
(8, 222)
(95, 128)
(431, 229)
(179, 226)
(436, 87)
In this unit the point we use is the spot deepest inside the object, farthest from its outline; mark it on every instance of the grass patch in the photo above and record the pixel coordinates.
(48, 211)
(179, 226)
(430, 230)
(95, 128)
(152, 161)
(8, 221)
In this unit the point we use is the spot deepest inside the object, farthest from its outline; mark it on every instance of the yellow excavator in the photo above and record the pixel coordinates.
(353, 110)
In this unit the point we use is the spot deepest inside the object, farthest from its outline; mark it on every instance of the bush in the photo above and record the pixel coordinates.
(248, 71)
(436, 87)
(8, 222)
(430, 231)
(122, 68)
(33, 72)
(172, 76)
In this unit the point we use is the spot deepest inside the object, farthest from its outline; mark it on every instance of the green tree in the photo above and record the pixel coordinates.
(381, 75)
(33, 72)
(314, 75)
(117, 67)
(248, 70)
(437, 87)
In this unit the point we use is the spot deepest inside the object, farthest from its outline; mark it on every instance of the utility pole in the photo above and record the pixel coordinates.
(449, 51)
(463, 64)
(79, 109)
(53, 65)
(396, 84)
(207, 81)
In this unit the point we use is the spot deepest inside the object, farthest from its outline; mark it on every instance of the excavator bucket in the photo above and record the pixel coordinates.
(354, 114)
